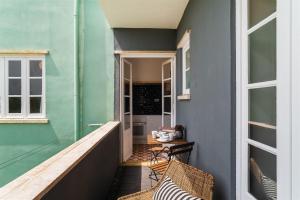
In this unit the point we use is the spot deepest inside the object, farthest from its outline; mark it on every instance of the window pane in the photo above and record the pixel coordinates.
(127, 121)
(14, 86)
(167, 87)
(263, 135)
(36, 68)
(127, 104)
(167, 120)
(259, 10)
(167, 104)
(262, 63)
(188, 79)
(35, 104)
(14, 69)
(127, 87)
(167, 71)
(264, 163)
(14, 105)
(262, 105)
(36, 87)
(126, 71)
(188, 59)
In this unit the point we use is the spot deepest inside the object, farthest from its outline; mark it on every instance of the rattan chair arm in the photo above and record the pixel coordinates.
(137, 194)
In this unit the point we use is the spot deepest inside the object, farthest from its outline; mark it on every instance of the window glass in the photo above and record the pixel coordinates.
(188, 59)
(259, 10)
(262, 105)
(167, 71)
(36, 87)
(36, 68)
(262, 173)
(35, 105)
(15, 105)
(262, 54)
(14, 86)
(188, 79)
(14, 69)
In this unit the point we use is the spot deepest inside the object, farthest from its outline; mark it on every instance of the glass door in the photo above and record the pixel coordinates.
(167, 94)
(260, 102)
(127, 110)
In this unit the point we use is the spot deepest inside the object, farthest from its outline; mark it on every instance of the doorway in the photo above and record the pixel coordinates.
(147, 96)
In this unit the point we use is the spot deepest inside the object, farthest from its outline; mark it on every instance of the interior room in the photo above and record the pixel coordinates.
(147, 97)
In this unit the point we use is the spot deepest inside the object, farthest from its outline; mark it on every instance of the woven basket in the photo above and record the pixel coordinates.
(188, 178)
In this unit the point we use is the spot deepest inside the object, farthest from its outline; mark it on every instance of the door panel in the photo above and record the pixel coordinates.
(260, 101)
(127, 109)
(168, 93)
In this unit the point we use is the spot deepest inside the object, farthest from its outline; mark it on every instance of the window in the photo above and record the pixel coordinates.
(184, 45)
(186, 68)
(22, 93)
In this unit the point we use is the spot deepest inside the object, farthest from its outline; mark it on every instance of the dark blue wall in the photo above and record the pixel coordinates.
(92, 177)
(210, 114)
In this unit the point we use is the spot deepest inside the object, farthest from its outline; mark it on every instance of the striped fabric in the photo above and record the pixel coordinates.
(170, 191)
(270, 187)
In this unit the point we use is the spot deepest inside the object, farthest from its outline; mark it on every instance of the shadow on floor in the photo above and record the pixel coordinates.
(129, 180)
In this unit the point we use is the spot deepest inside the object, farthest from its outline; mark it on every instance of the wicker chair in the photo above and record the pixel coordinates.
(188, 178)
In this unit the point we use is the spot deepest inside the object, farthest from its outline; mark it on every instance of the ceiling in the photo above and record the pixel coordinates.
(164, 14)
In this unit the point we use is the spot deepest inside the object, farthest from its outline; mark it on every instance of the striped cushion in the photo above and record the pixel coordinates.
(168, 190)
(270, 187)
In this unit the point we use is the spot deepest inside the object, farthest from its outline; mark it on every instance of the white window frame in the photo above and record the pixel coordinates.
(185, 69)
(25, 88)
(284, 111)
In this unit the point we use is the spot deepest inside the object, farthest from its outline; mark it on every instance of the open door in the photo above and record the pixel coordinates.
(168, 94)
(127, 109)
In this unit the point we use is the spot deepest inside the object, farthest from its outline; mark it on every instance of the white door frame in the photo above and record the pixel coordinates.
(173, 79)
(284, 98)
(144, 54)
(125, 156)
(295, 80)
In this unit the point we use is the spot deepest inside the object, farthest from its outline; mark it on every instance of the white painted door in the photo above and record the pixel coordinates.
(127, 109)
(168, 106)
(263, 110)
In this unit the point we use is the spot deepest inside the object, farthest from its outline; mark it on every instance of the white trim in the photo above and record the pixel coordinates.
(25, 88)
(24, 121)
(262, 146)
(151, 54)
(239, 52)
(265, 84)
(173, 91)
(283, 150)
(185, 38)
(262, 23)
(263, 125)
(185, 48)
(284, 99)
(146, 54)
(295, 100)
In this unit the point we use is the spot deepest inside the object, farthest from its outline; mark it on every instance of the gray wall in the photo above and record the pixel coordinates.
(93, 176)
(210, 114)
(132, 39)
(145, 39)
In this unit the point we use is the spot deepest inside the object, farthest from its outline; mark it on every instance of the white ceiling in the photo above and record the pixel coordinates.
(144, 13)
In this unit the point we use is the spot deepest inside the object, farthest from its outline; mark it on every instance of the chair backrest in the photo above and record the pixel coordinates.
(181, 152)
(190, 179)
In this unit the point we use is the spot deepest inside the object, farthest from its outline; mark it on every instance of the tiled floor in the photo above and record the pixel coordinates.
(133, 176)
(140, 156)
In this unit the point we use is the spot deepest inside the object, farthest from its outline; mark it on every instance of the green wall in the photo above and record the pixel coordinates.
(49, 24)
(97, 66)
